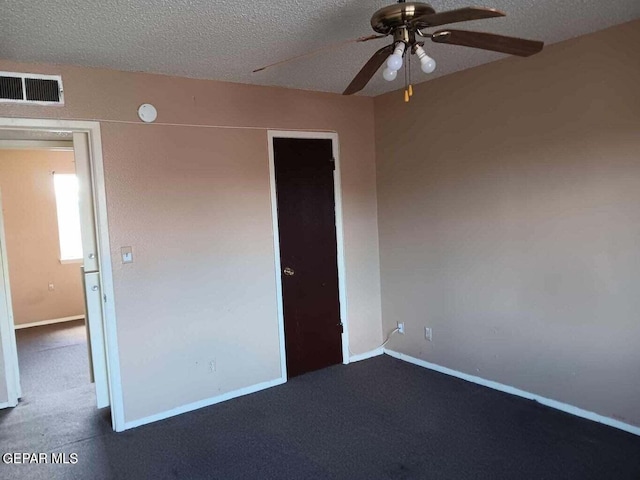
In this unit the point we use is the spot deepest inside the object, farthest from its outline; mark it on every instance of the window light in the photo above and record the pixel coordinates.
(66, 189)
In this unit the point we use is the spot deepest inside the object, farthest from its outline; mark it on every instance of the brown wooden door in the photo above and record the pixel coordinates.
(308, 254)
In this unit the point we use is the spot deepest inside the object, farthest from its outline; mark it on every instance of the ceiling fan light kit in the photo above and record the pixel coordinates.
(405, 21)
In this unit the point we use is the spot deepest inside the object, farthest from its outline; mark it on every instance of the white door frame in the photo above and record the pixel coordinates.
(342, 279)
(9, 350)
(92, 131)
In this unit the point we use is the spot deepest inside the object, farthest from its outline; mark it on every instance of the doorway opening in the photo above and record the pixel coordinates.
(55, 271)
(43, 247)
(309, 251)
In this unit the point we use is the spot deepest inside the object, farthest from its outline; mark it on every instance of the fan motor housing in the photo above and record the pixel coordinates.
(389, 18)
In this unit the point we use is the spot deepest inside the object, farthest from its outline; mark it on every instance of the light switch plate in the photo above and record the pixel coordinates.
(127, 254)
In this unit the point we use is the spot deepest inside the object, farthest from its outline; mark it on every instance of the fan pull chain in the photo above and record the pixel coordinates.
(406, 80)
(409, 67)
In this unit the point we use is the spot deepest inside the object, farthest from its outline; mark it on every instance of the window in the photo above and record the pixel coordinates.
(66, 188)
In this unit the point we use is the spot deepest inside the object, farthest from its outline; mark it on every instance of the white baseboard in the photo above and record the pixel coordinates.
(365, 355)
(18, 326)
(203, 403)
(520, 393)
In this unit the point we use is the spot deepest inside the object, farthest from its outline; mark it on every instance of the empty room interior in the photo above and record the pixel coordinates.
(321, 240)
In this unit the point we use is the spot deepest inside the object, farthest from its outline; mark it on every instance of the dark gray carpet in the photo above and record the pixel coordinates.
(377, 419)
(52, 358)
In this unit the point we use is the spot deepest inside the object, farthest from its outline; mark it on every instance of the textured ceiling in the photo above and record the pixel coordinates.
(225, 40)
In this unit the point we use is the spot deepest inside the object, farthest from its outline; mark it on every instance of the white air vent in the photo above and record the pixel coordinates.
(31, 88)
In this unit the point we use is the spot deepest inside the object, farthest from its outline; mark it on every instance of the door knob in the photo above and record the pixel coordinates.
(95, 288)
(289, 271)
(92, 256)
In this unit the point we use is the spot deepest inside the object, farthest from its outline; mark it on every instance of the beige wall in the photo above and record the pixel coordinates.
(509, 216)
(31, 229)
(194, 203)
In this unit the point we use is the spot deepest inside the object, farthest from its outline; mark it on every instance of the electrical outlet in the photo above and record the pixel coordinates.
(212, 366)
(428, 334)
(51, 287)
(401, 328)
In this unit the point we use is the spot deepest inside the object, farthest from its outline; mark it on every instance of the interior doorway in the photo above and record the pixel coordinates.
(43, 254)
(82, 284)
(310, 261)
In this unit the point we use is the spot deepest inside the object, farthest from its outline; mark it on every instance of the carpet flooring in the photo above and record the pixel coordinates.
(52, 358)
(377, 419)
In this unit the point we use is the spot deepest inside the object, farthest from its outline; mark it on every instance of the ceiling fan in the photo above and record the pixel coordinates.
(406, 22)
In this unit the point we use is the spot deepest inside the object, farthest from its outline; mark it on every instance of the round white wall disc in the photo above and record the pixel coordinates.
(147, 113)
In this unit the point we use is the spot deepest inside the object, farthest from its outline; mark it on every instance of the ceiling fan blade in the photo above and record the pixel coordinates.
(369, 70)
(320, 50)
(456, 16)
(489, 41)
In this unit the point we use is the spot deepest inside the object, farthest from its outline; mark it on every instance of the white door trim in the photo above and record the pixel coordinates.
(92, 130)
(7, 335)
(342, 279)
(54, 145)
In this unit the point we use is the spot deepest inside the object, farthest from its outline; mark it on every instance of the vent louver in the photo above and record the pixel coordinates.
(11, 88)
(31, 88)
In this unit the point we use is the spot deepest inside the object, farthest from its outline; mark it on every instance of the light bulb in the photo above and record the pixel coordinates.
(427, 64)
(394, 62)
(389, 75)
